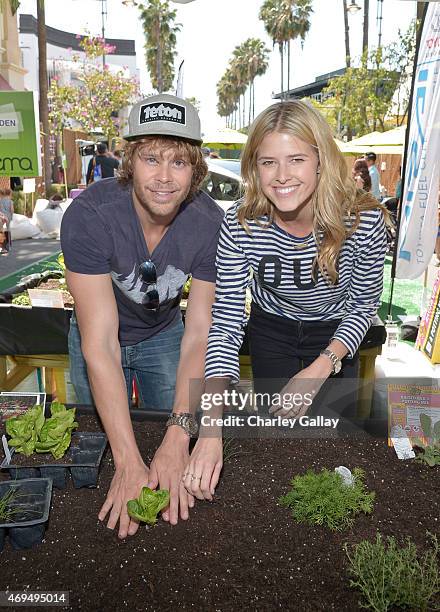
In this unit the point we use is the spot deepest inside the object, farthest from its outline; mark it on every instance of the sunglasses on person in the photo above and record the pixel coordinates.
(147, 272)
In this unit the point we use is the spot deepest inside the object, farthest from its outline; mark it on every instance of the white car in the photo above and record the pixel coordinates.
(223, 181)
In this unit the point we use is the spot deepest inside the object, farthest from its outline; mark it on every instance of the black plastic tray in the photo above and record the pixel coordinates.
(85, 458)
(28, 526)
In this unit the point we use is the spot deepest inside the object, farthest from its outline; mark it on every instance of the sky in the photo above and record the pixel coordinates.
(212, 28)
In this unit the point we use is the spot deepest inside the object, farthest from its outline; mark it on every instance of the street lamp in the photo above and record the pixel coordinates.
(353, 8)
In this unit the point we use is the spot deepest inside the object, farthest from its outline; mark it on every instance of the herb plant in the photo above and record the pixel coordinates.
(7, 512)
(429, 453)
(323, 499)
(148, 505)
(389, 576)
(31, 432)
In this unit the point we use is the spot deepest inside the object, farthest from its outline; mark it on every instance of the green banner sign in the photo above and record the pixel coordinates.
(20, 151)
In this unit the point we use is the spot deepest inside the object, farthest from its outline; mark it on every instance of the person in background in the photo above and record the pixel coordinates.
(398, 188)
(117, 154)
(214, 155)
(370, 158)
(102, 165)
(206, 152)
(361, 175)
(6, 205)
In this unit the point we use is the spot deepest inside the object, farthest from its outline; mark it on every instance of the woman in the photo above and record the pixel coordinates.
(361, 175)
(312, 246)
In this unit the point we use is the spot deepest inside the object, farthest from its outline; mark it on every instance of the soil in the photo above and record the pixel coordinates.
(241, 552)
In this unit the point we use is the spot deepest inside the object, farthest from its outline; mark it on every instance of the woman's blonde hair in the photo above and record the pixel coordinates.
(336, 197)
(189, 152)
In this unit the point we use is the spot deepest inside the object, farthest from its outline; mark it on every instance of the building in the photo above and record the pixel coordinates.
(311, 90)
(60, 46)
(12, 73)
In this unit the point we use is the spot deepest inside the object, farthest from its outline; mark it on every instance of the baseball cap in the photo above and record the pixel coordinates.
(164, 115)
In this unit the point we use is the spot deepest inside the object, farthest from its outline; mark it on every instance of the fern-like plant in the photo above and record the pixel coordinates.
(323, 499)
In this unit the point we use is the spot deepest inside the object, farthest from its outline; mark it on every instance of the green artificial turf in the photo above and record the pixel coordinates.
(407, 295)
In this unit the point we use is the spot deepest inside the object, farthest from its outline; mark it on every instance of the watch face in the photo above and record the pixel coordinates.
(338, 366)
(191, 423)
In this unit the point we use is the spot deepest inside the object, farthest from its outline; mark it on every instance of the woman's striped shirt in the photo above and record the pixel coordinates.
(281, 282)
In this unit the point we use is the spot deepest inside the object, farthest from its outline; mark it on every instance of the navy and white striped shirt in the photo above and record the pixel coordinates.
(282, 284)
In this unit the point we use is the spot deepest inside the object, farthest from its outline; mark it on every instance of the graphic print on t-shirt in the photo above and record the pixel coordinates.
(168, 285)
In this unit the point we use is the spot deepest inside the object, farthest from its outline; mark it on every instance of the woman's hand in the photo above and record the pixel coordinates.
(201, 475)
(297, 396)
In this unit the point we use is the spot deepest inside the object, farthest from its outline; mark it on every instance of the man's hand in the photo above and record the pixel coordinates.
(127, 484)
(166, 471)
(203, 470)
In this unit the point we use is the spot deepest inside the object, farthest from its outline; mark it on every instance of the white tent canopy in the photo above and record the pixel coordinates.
(389, 142)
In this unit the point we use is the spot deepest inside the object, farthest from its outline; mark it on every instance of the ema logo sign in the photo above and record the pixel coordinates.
(11, 124)
(162, 112)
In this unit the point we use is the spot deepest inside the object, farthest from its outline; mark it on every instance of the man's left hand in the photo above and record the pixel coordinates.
(166, 471)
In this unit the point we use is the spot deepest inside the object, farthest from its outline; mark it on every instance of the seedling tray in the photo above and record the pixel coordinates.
(29, 524)
(82, 460)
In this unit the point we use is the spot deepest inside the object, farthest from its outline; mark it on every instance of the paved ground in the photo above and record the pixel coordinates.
(25, 254)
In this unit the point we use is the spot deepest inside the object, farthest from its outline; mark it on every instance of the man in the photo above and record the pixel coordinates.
(374, 174)
(129, 245)
(102, 165)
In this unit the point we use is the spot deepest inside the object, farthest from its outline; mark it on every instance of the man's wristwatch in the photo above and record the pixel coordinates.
(186, 421)
(337, 363)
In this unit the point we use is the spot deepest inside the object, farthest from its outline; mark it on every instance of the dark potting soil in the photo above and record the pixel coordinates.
(241, 552)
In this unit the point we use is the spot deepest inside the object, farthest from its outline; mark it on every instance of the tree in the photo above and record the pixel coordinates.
(160, 46)
(96, 102)
(43, 87)
(286, 20)
(249, 60)
(367, 95)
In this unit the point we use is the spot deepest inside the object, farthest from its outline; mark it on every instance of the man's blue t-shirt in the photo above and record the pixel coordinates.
(101, 234)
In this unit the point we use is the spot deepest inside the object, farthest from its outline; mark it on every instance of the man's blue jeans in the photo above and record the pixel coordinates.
(151, 363)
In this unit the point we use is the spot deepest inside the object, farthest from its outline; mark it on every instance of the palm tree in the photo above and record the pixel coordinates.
(42, 83)
(256, 58)
(285, 20)
(160, 46)
(347, 35)
(365, 27)
(299, 26)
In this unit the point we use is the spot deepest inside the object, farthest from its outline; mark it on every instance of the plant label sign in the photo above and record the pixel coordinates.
(407, 402)
(13, 403)
(47, 298)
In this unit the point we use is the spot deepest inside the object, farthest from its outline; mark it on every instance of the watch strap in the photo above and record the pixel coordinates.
(336, 362)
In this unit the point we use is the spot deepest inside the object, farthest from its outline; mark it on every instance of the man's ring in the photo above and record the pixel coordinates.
(194, 477)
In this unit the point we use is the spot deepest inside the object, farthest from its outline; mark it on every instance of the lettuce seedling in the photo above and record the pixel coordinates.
(56, 433)
(25, 429)
(148, 505)
(31, 432)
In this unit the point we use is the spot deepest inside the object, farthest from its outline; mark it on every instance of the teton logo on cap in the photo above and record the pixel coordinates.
(174, 113)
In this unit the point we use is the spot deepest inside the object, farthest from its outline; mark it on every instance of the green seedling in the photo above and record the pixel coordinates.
(31, 432)
(429, 453)
(148, 505)
(323, 499)
(391, 577)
